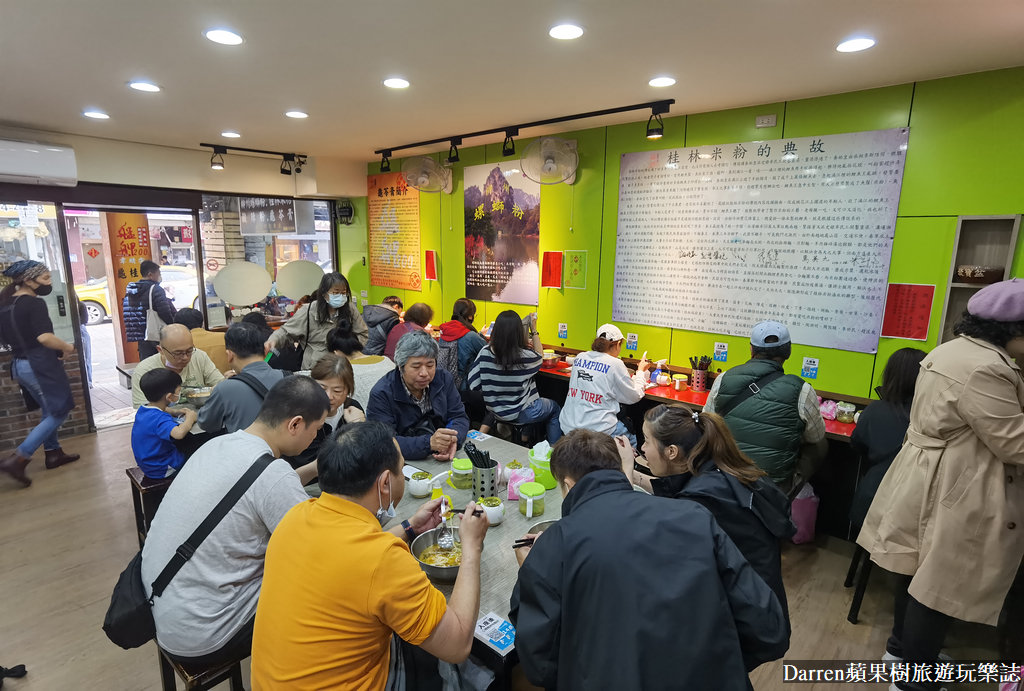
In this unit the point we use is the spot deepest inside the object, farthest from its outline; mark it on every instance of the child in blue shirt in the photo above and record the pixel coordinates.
(155, 429)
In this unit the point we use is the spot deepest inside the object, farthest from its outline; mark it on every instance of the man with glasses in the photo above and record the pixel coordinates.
(177, 353)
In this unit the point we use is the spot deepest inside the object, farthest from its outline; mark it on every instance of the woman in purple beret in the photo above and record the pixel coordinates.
(948, 517)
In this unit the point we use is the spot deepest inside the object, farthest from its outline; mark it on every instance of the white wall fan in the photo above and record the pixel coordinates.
(427, 175)
(551, 160)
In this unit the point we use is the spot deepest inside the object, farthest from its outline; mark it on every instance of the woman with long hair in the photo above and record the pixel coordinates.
(883, 425)
(599, 383)
(311, 322)
(334, 375)
(693, 455)
(948, 517)
(37, 366)
(505, 371)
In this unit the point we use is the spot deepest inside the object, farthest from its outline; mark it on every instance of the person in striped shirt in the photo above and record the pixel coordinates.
(505, 370)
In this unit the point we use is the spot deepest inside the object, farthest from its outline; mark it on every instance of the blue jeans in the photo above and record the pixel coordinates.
(540, 410)
(45, 433)
(621, 431)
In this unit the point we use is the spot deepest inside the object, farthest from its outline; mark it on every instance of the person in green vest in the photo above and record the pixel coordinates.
(773, 415)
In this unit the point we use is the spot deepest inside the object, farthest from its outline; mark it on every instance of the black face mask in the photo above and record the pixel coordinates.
(43, 291)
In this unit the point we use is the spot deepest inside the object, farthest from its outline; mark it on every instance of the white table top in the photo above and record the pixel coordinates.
(498, 566)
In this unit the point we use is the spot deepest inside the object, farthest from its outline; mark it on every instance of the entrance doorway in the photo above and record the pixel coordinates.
(106, 251)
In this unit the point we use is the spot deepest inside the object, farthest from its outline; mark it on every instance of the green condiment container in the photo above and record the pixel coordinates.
(531, 499)
(462, 473)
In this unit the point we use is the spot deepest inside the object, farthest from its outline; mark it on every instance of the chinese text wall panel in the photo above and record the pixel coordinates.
(716, 238)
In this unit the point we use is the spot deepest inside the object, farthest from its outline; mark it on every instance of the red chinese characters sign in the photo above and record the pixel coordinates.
(908, 308)
(128, 239)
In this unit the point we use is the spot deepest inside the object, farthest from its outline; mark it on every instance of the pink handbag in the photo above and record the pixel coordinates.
(805, 515)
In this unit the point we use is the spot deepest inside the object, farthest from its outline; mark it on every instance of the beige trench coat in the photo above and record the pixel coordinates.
(950, 511)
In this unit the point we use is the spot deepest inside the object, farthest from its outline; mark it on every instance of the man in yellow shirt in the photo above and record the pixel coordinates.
(210, 342)
(336, 587)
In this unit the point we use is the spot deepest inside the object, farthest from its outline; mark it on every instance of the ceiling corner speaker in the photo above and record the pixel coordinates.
(35, 163)
(427, 175)
(551, 160)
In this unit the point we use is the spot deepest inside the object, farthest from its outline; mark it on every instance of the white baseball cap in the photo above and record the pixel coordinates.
(610, 331)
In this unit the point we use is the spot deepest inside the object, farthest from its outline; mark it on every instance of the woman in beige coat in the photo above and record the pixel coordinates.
(949, 514)
(332, 306)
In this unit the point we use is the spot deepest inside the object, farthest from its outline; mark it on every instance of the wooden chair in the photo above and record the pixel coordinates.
(147, 494)
(199, 678)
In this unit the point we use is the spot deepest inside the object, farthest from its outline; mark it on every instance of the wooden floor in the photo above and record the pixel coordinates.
(64, 540)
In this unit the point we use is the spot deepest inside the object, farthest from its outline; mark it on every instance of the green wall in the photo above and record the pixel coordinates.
(965, 157)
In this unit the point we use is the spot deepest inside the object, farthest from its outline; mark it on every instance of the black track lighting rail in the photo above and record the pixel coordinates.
(658, 107)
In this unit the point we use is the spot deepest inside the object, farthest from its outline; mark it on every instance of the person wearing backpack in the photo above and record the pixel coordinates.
(236, 401)
(141, 297)
(459, 345)
(380, 319)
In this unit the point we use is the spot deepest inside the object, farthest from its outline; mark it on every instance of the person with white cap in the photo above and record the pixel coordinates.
(948, 517)
(773, 415)
(599, 383)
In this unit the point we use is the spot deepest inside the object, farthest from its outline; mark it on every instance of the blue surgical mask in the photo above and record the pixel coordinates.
(384, 515)
(337, 300)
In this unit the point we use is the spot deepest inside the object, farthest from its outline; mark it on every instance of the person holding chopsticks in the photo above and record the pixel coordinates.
(599, 383)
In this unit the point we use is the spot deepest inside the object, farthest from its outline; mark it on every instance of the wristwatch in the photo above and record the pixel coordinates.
(410, 533)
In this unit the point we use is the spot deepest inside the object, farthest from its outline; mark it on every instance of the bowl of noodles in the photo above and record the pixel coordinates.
(439, 565)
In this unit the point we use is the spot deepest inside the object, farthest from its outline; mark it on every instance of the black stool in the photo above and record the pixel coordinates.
(147, 494)
(527, 433)
(199, 678)
(860, 559)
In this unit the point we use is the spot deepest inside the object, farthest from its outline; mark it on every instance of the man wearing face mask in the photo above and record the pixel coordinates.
(177, 353)
(205, 616)
(327, 617)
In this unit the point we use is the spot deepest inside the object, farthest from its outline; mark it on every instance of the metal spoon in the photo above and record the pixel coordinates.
(445, 539)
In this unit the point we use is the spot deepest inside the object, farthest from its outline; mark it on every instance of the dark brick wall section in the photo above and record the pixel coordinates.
(15, 421)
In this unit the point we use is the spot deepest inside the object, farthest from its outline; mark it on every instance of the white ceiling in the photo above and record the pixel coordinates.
(473, 65)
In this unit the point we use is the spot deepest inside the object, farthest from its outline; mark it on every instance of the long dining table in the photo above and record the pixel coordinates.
(498, 566)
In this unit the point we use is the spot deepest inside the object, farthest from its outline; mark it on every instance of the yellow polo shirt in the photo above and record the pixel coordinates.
(335, 587)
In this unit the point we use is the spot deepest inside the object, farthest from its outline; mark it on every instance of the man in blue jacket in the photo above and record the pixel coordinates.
(420, 401)
(139, 295)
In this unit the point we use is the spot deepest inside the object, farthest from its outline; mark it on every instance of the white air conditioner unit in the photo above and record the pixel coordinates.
(34, 163)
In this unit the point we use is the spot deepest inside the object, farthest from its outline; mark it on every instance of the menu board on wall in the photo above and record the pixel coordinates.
(393, 216)
(716, 238)
(266, 216)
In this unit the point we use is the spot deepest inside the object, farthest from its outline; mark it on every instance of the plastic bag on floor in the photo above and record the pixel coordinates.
(805, 514)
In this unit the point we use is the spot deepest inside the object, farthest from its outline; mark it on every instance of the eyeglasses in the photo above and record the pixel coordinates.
(180, 354)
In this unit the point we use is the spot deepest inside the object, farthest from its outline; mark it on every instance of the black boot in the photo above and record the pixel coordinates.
(56, 458)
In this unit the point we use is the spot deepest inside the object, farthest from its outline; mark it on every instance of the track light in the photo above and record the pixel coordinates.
(385, 162)
(508, 148)
(453, 150)
(299, 162)
(217, 159)
(655, 127)
(287, 161)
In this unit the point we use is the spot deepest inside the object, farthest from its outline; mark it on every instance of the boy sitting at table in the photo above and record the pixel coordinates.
(155, 427)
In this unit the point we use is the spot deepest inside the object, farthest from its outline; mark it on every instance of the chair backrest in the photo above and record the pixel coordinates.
(448, 358)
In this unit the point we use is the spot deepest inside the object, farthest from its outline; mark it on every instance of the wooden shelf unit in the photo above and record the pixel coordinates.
(980, 241)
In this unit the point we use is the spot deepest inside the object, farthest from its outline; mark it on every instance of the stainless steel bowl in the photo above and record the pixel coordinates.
(441, 574)
(541, 526)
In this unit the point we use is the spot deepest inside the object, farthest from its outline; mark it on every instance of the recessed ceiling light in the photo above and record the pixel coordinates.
(662, 81)
(396, 83)
(297, 114)
(148, 87)
(565, 32)
(224, 37)
(230, 134)
(852, 45)
(95, 114)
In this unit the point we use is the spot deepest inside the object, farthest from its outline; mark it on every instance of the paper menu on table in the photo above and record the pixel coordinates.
(497, 633)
